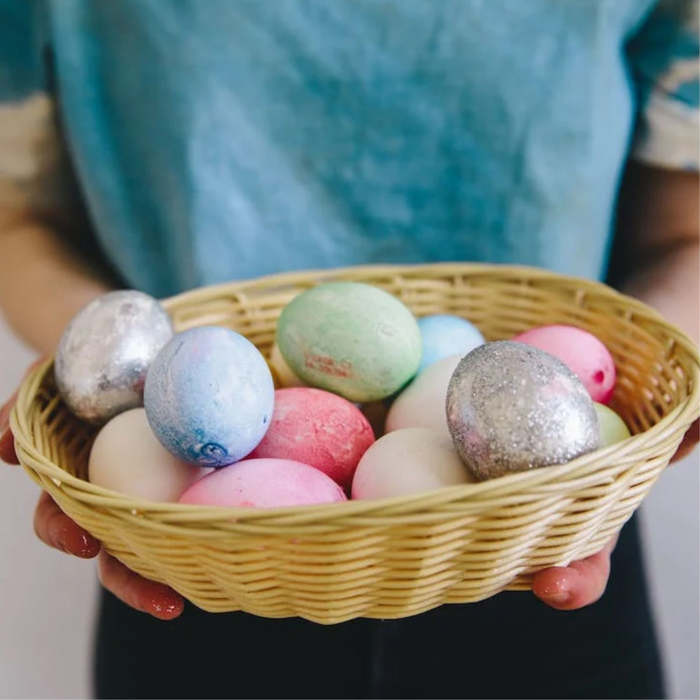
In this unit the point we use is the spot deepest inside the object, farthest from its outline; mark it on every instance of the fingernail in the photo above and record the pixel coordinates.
(558, 598)
(78, 543)
(167, 608)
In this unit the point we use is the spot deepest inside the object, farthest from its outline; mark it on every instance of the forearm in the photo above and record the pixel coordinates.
(43, 283)
(670, 285)
(656, 256)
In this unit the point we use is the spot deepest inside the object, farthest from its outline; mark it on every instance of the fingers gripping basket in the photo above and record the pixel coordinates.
(398, 557)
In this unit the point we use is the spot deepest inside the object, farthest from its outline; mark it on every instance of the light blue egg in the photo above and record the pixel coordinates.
(209, 396)
(444, 335)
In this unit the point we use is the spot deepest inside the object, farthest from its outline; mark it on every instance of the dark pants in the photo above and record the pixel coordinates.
(510, 646)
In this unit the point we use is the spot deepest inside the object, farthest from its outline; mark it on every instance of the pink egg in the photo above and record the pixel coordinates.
(264, 483)
(317, 428)
(583, 354)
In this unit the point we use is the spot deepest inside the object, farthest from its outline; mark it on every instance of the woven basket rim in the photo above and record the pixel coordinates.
(582, 466)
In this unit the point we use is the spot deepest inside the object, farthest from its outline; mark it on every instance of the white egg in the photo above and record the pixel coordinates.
(284, 372)
(127, 457)
(412, 460)
(422, 403)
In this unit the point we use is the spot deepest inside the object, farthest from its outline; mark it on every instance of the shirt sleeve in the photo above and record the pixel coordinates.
(34, 168)
(666, 70)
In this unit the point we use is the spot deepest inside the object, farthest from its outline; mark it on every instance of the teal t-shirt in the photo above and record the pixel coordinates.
(223, 139)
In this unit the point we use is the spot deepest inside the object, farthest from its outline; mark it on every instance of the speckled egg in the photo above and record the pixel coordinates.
(127, 457)
(209, 396)
(422, 403)
(581, 352)
(350, 338)
(444, 335)
(412, 460)
(512, 407)
(612, 427)
(264, 483)
(317, 428)
(104, 354)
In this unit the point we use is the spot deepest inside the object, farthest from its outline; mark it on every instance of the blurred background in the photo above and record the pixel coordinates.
(47, 599)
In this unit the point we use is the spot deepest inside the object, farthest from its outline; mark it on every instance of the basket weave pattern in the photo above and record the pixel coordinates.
(398, 557)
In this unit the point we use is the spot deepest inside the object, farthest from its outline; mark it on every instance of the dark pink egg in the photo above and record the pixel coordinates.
(581, 352)
(264, 483)
(317, 428)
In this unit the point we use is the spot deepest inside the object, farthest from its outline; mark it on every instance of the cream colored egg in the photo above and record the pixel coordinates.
(283, 371)
(127, 457)
(422, 403)
(412, 460)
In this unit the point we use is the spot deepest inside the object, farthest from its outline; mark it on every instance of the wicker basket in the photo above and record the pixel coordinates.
(398, 557)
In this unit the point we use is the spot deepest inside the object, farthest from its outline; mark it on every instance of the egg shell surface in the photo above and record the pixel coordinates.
(317, 428)
(422, 403)
(283, 372)
(350, 338)
(105, 352)
(412, 460)
(126, 457)
(264, 483)
(444, 335)
(612, 428)
(209, 396)
(581, 352)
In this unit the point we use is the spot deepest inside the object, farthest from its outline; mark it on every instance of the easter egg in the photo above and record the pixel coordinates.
(264, 483)
(512, 407)
(444, 335)
(350, 338)
(127, 457)
(422, 403)
(209, 396)
(283, 372)
(105, 351)
(317, 428)
(581, 352)
(612, 427)
(412, 460)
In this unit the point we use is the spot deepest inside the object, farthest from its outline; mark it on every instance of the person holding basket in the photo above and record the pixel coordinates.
(165, 145)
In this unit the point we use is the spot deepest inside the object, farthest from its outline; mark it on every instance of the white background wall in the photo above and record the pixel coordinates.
(47, 598)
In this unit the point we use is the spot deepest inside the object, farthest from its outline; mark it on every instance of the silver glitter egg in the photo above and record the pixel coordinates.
(512, 407)
(104, 354)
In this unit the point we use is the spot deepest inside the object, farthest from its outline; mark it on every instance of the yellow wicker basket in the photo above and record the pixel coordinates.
(397, 557)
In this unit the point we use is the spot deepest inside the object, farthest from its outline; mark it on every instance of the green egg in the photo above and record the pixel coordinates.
(350, 338)
(612, 427)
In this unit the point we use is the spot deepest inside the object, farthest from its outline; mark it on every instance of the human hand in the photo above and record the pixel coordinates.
(583, 582)
(57, 530)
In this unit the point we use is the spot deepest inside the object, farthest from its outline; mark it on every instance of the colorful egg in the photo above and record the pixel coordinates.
(209, 396)
(104, 354)
(612, 427)
(412, 460)
(283, 372)
(422, 403)
(350, 338)
(444, 335)
(317, 428)
(264, 483)
(581, 352)
(512, 407)
(127, 457)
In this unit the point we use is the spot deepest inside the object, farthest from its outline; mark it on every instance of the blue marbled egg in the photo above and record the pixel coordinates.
(209, 396)
(444, 335)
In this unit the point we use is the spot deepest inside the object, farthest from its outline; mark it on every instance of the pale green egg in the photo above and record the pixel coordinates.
(612, 427)
(350, 338)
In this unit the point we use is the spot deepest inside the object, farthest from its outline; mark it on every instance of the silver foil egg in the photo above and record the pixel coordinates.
(104, 354)
(512, 407)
